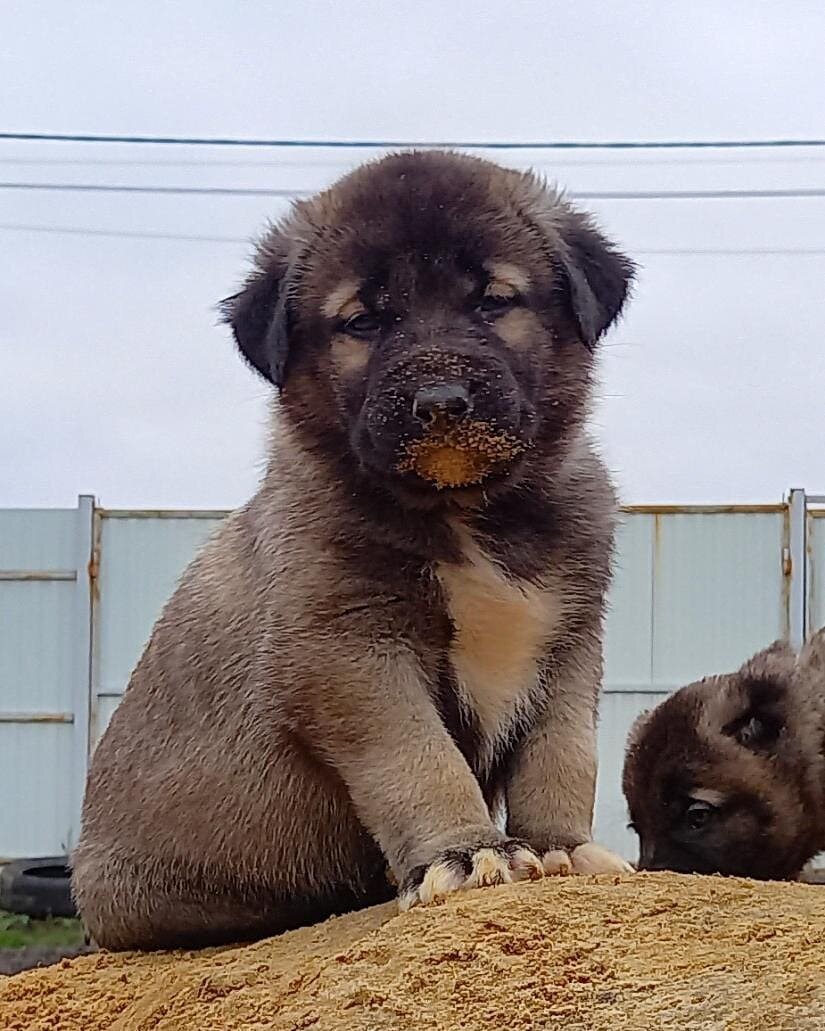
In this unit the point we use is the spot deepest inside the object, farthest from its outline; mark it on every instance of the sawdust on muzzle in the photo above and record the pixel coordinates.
(460, 454)
(637, 953)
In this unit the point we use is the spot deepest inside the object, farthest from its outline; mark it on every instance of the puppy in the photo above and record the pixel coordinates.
(727, 775)
(405, 622)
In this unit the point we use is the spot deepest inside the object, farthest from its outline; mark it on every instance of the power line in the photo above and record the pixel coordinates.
(228, 191)
(732, 252)
(234, 191)
(696, 194)
(225, 141)
(592, 161)
(238, 162)
(198, 238)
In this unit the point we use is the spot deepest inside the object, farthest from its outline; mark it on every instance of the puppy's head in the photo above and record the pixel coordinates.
(725, 774)
(433, 317)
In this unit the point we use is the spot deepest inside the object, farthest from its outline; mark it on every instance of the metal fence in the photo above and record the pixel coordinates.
(697, 590)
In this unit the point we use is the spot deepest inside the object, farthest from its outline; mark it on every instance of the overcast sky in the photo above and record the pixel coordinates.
(114, 376)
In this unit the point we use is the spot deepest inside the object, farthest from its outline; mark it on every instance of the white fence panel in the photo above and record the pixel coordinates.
(696, 591)
(142, 555)
(816, 568)
(44, 646)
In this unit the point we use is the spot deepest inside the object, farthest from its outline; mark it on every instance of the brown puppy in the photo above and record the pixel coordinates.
(728, 774)
(405, 622)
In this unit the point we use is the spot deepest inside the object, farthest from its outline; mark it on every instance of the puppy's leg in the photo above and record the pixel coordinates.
(552, 787)
(409, 784)
(129, 907)
(139, 906)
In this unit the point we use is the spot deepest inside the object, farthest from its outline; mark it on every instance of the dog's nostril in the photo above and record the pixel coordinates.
(450, 401)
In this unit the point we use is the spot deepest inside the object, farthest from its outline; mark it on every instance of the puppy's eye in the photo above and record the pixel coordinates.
(362, 325)
(496, 304)
(699, 814)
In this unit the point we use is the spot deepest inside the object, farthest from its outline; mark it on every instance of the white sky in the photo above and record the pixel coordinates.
(115, 378)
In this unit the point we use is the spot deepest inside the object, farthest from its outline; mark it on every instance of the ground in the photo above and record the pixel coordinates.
(649, 952)
(26, 943)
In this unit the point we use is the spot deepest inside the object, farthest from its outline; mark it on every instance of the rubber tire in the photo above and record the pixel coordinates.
(37, 887)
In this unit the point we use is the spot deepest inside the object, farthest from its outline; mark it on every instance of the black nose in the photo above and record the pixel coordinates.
(447, 400)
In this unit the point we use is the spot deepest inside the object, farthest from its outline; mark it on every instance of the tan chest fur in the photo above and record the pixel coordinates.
(501, 627)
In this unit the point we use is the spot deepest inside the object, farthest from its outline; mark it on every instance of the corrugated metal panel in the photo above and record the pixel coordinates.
(816, 570)
(628, 680)
(37, 538)
(36, 646)
(692, 594)
(141, 560)
(695, 592)
(629, 632)
(106, 705)
(718, 590)
(618, 711)
(37, 653)
(35, 789)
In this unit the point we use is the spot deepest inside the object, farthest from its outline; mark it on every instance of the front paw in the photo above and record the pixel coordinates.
(588, 858)
(473, 865)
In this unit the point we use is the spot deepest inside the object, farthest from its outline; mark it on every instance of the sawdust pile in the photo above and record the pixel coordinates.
(640, 953)
(459, 454)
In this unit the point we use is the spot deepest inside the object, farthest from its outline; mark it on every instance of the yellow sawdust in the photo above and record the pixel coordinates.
(460, 454)
(654, 951)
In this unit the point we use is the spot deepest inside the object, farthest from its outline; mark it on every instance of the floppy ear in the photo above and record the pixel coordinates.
(259, 319)
(598, 275)
(761, 694)
(760, 725)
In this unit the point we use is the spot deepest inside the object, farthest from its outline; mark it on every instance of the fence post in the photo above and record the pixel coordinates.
(82, 672)
(798, 548)
(816, 569)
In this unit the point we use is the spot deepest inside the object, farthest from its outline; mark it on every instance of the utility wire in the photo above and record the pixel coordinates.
(294, 161)
(228, 191)
(18, 227)
(198, 238)
(768, 194)
(731, 251)
(590, 161)
(225, 141)
(233, 191)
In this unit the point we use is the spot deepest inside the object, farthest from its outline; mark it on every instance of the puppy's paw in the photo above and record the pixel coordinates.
(591, 858)
(557, 863)
(588, 858)
(470, 866)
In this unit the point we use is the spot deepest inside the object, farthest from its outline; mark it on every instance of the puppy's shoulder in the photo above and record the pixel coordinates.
(559, 525)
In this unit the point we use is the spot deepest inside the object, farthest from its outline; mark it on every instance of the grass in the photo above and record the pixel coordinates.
(18, 932)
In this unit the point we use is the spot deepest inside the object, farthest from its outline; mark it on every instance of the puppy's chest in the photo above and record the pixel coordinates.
(501, 628)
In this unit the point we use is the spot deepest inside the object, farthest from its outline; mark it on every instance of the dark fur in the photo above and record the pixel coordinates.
(300, 717)
(755, 738)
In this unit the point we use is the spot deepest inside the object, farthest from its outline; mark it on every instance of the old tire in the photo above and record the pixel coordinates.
(37, 887)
